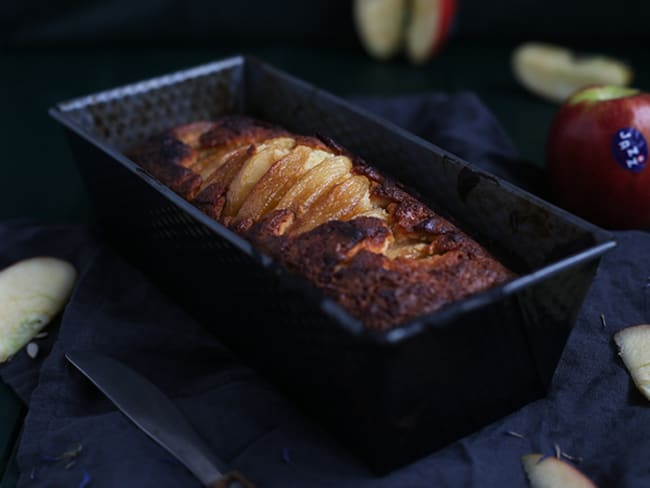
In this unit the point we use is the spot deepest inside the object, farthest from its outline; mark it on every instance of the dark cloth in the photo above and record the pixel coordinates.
(592, 411)
(472, 133)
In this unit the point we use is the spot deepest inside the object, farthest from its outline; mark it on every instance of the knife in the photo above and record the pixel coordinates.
(155, 414)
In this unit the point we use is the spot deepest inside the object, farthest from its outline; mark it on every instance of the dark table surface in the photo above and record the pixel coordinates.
(39, 179)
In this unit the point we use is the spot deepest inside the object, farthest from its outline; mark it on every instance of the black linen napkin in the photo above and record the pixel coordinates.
(74, 437)
(462, 125)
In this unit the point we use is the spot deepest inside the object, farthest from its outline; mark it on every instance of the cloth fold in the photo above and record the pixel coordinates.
(460, 124)
(73, 436)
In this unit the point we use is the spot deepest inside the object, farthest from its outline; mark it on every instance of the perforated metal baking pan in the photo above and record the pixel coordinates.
(389, 396)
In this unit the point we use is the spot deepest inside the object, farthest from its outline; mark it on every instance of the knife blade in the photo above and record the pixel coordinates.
(157, 416)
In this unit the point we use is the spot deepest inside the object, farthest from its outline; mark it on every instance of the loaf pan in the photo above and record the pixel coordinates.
(390, 396)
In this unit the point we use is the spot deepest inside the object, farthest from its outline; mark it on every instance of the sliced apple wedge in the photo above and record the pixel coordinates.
(225, 173)
(270, 189)
(32, 292)
(555, 72)
(253, 169)
(429, 25)
(634, 348)
(342, 202)
(315, 183)
(550, 472)
(380, 25)
(210, 160)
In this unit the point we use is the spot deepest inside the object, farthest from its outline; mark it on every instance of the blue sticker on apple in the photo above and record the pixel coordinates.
(630, 149)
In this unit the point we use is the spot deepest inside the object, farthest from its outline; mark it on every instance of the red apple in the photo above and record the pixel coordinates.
(429, 25)
(597, 156)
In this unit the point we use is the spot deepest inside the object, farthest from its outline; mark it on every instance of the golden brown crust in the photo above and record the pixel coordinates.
(238, 130)
(312, 142)
(378, 251)
(191, 133)
(212, 199)
(167, 158)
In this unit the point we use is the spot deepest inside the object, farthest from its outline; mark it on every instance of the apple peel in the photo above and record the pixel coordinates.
(551, 472)
(634, 348)
(429, 25)
(32, 292)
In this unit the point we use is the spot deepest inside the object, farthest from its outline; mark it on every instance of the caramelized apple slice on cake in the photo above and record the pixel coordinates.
(212, 195)
(207, 159)
(315, 183)
(284, 174)
(342, 202)
(253, 169)
(376, 212)
(408, 250)
(217, 141)
(210, 160)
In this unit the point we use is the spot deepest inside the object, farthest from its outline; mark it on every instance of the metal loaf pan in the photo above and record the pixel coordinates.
(392, 396)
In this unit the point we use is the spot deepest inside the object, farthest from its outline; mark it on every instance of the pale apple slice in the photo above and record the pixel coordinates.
(429, 26)
(315, 183)
(211, 198)
(207, 160)
(341, 202)
(555, 72)
(253, 169)
(634, 348)
(32, 292)
(551, 472)
(380, 25)
(268, 192)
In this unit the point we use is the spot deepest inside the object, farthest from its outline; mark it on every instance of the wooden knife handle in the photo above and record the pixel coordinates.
(234, 479)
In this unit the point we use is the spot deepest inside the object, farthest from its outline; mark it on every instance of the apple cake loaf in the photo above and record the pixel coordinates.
(382, 254)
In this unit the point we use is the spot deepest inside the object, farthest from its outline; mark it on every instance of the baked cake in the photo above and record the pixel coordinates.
(382, 254)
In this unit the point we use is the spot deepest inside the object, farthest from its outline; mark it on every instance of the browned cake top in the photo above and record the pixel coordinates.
(382, 254)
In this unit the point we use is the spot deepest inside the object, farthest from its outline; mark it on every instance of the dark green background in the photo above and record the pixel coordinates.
(53, 51)
(38, 175)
